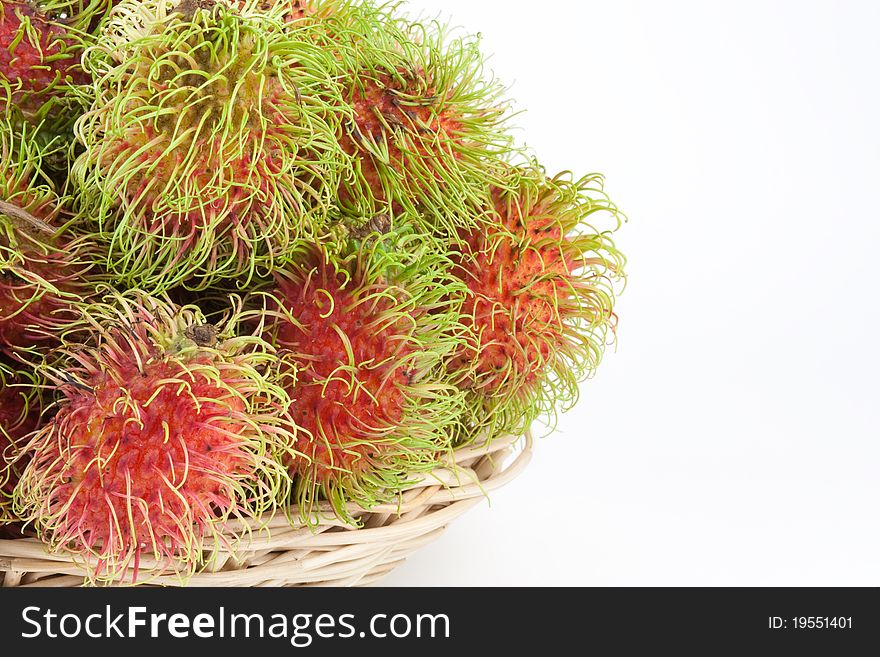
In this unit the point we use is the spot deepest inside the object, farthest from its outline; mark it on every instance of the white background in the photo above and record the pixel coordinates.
(732, 439)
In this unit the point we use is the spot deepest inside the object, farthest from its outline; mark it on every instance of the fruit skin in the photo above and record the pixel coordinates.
(425, 124)
(165, 434)
(39, 62)
(44, 269)
(369, 333)
(211, 145)
(541, 305)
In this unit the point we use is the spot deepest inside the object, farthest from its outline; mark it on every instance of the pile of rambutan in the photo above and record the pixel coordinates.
(265, 257)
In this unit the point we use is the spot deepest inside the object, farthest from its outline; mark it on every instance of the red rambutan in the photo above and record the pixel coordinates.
(368, 334)
(23, 181)
(43, 271)
(19, 415)
(41, 283)
(163, 437)
(424, 122)
(540, 308)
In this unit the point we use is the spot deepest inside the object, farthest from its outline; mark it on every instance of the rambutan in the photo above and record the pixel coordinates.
(424, 122)
(212, 143)
(39, 61)
(19, 414)
(44, 271)
(16, 409)
(165, 435)
(540, 308)
(368, 332)
(24, 182)
(81, 15)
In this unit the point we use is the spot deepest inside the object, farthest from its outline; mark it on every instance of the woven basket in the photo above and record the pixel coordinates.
(331, 554)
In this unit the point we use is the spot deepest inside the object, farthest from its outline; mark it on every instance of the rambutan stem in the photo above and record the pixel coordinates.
(21, 214)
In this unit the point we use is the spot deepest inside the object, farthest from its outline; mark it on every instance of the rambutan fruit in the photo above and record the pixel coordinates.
(16, 410)
(425, 124)
(24, 182)
(369, 332)
(541, 304)
(19, 415)
(39, 61)
(42, 282)
(165, 436)
(212, 143)
(81, 15)
(44, 270)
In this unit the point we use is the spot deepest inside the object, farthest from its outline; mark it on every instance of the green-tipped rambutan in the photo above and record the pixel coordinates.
(424, 121)
(166, 433)
(44, 269)
(212, 143)
(368, 333)
(39, 62)
(540, 309)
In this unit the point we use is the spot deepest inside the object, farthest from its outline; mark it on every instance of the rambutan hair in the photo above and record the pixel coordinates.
(300, 10)
(310, 9)
(425, 123)
(212, 142)
(24, 180)
(167, 432)
(540, 311)
(84, 16)
(17, 393)
(369, 332)
(19, 415)
(45, 270)
(39, 63)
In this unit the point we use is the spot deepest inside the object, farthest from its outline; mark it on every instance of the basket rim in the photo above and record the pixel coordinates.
(324, 550)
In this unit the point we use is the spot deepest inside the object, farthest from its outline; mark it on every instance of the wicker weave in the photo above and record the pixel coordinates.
(331, 554)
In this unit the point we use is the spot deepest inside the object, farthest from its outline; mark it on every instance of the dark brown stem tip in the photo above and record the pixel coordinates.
(189, 8)
(204, 335)
(381, 224)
